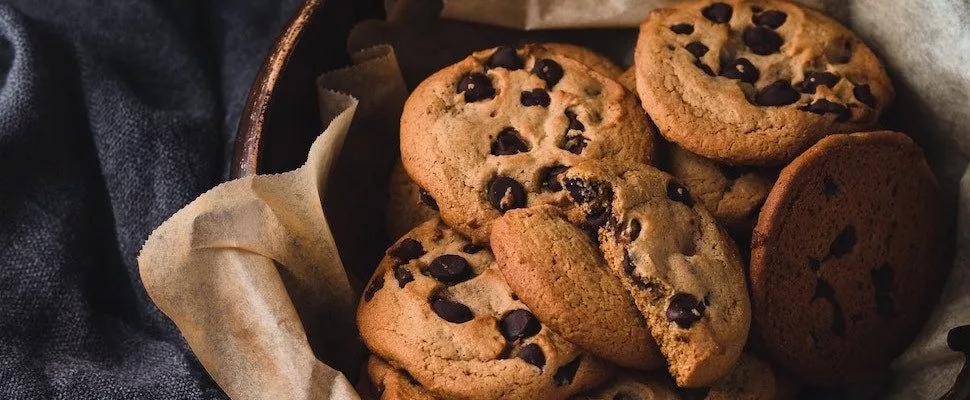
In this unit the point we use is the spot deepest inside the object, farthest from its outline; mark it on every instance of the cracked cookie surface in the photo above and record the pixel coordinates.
(438, 308)
(559, 272)
(755, 82)
(847, 257)
(489, 133)
(681, 268)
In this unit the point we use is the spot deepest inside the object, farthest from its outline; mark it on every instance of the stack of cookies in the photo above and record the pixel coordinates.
(556, 241)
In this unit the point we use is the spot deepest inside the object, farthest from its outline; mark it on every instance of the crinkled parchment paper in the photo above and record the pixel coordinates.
(250, 272)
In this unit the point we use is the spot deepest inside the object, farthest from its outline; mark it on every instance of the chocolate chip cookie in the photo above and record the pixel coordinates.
(438, 308)
(634, 385)
(733, 194)
(394, 384)
(595, 61)
(490, 133)
(751, 379)
(755, 82)
(559, 272)
(629, 79)
(846, 257)
(407, 204)
(681, 268)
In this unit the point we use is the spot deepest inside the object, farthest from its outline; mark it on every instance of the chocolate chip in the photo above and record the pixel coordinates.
(882, 281)
(505, 57)
(779, 93)
(762, 41)
(451, 311)
(771, 18)
(427, 200)
(632, 231)
(565, 374)
(574, 123)
(549, 71)
(476, 86)
(814, 79)
(843, 242)
(536, 97)
(596, 219)
(822, 106)
(450, 269)
(684, 310)
(532, 354)
(864, 95)
(508, 142)
(375, 285)
(682, 29)
(471, 248)
(505, 193)
(740, 69)
(575, 143)
(814, 264)
(823, 290)
(707, 70)
(550, 177)
(679, 193)
(959, 339)
(718, 13)
(829, 187)
(403, 275)
(519, 324)
(698, 49)
(407, 250)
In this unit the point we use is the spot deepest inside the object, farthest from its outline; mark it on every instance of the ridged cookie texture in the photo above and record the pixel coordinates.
(681, 268)
(755, 82)
(492, 132)
(438, 308)
(847, 257)
(559, 272)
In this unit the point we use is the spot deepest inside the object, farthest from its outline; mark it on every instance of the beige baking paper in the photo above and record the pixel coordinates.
(250, 272)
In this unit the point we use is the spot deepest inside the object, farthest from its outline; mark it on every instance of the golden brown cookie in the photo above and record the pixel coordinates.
(629, 79)
(490, 133)
(733, 194)
(393, 384)
(847, 257)
(681, 268)
(439, 309)
(559, 272)
(755, 82)
(407, 204)
(634, 385)
(595, 61)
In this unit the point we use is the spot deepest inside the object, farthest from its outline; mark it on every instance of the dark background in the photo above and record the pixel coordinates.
(113, 115)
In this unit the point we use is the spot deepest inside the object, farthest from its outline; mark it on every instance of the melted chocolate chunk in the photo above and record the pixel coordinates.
(698, 49)
(450, 269)
(519, 324)
(471, 248)
(703, 67)
(427, 200)
(779, 93)
(843, 242)
(814, 264)
(679, 193)
(740, 69)
(682, 29)
(574, 123)
(549, 71)
(864, 95)
(532, 354)
(403, 275)
(825, 291)
(550, 177)
(684, 310)
(476, 86)
(565, 374)
(718, 13)
(628, 266)
(822, 106)
(632, 231)
(536, 97)
(762, 41)
(508, 142)
(772, 19)
(407, 250)
(575, 143)
(451, 311)
(815, 79)
(829, 187)
(505, 193)
(374, 286)
(505, 57)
